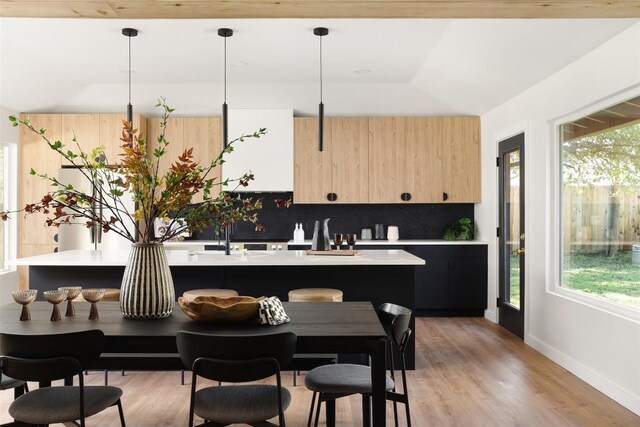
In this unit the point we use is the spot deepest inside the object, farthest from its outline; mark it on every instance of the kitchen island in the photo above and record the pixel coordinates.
(377, 276)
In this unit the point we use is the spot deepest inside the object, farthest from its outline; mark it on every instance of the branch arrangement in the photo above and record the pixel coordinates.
(169, 196)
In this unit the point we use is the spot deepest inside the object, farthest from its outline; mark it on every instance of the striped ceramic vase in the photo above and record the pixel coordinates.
(147, 287)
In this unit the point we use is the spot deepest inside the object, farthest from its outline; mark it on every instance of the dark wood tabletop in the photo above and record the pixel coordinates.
(346, 319)
(345, 327)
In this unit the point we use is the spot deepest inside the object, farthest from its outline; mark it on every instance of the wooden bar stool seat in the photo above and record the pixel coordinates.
(315, 295)
(220, 293)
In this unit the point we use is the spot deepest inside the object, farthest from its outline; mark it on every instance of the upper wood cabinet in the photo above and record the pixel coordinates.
(111, 132)
(350, 159)
(200, 133)
(34, 237)
(387, 159)
(424, 169)
(402, 160)
(85, 128)
(312, 168)
(336, 174)
(90, 131)
(94, 130)
(461, 159)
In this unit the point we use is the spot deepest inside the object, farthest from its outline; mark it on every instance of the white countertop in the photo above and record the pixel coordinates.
(402, 242)
(417, 242)
(217, 258)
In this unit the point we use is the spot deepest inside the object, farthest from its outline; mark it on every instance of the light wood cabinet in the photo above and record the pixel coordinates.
(350, 159)
(111, 132)
(85, 128)
(312, 168)
(34, 237)
(387, 159)
(94, 130)
(424, 170)
(461, 159)
(200, 133)
(337, 174)
(403, 160)
(91, 131)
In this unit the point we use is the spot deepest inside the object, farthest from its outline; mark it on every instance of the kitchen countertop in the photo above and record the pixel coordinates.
(417, 242)
(402, 242)
(217, 258)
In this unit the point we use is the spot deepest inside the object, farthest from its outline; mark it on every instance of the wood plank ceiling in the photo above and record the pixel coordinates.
(186, 9)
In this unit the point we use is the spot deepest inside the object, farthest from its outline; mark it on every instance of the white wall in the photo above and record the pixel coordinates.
(600, 347)
(9, 280)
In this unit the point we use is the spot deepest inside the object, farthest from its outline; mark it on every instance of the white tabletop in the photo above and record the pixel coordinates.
(217, 258)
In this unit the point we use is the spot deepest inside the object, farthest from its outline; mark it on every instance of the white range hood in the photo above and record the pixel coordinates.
(269, 158)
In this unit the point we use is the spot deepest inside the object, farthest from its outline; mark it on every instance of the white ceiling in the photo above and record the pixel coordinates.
(422, 67)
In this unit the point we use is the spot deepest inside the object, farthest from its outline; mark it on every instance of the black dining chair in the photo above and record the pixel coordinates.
(19, 387)
(46, 358)
(331, 382)
(237, 359)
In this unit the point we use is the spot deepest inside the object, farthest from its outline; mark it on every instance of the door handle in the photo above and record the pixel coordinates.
(519, 251)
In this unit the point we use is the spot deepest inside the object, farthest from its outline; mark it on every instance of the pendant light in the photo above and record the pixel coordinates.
(225, 33)
(320, 32)
(129, 32)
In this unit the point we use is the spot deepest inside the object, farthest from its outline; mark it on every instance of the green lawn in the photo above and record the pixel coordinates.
(613, 278)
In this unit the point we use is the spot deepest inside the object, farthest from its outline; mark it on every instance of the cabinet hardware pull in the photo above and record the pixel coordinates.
(405, 197)
(445, 196)
(332, 197)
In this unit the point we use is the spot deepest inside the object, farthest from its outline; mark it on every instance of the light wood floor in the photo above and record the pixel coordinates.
(470, 373)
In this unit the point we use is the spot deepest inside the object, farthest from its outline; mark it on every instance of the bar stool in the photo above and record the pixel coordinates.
(315, 295)
(305, 362)
(220, 293)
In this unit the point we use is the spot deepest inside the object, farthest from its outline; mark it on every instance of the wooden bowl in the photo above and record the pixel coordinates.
(221, 310)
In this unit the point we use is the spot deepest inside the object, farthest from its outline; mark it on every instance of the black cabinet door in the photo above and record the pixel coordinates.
(431, 284)
(468, 282)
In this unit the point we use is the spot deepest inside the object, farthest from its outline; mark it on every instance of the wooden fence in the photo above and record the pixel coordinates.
(585, 219)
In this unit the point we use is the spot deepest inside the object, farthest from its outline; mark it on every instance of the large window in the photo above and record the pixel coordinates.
(600, 225)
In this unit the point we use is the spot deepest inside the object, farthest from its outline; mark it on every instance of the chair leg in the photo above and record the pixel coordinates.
(313, 404)
(318, 410)
(182, 377)
(121, 412)
(405, 386)
(366, 410)
(393, 377)
(19, 391)
(106, 377)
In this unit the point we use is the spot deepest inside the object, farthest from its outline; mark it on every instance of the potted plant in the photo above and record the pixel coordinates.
(460, 229)
(147, 287)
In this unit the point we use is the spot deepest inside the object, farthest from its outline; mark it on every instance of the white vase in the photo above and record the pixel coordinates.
(147, 290)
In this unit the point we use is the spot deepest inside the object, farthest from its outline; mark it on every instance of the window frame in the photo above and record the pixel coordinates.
(10, 196)
(555, 245)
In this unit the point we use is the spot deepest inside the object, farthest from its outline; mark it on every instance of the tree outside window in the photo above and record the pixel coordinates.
(601, 204)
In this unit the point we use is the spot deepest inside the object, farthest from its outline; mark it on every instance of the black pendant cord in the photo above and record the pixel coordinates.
(225, 112)
(321, 32)
(129, 32)
(321, 108)
(225, 33)
(129, 106)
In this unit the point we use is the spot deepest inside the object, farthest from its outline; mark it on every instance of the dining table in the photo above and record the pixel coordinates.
(327, 328)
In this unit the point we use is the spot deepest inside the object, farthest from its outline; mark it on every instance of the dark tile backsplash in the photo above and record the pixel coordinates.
(423, 221)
